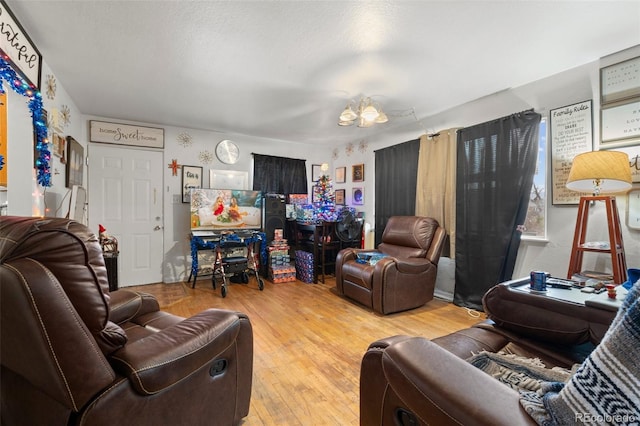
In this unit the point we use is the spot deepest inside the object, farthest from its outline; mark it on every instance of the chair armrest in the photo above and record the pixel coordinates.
(438, 386)
(411, 265)
(162, 359)
(545, 318)
(125, 305)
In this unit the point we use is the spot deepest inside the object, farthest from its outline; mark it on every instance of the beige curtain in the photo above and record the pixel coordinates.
(436, 187)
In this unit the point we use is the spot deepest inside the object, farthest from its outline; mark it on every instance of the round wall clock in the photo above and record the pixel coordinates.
(227, 152)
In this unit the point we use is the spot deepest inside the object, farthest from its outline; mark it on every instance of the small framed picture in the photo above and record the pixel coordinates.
(74, 166)
(341, 175)
(59, 147)
(191, 179)
(316, 172)
(339, 197)
(357, 172)
(358, 196)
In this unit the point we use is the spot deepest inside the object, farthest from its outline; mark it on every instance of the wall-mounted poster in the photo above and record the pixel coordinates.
(571, 133)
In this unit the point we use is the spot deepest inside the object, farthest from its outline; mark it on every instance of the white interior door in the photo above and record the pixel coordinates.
(125, 196)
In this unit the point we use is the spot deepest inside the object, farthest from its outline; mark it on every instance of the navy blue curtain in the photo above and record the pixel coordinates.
(279, 175)
(495, 167)
(396, 176)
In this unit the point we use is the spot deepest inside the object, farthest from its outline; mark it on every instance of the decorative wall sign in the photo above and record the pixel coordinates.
(620, 125)
(620, 81)
(340, 197)
(75, 163)
(341, 175)
(191, 179)
(126, 134)
(18, 47)
(571, 133)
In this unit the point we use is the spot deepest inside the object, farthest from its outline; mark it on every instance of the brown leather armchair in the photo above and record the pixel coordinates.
(414, 381)
(405, 278)
(73, 353)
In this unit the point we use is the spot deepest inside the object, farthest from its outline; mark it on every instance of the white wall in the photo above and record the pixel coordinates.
(575, 85)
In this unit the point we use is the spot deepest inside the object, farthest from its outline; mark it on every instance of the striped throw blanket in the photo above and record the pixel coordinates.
(606, 387)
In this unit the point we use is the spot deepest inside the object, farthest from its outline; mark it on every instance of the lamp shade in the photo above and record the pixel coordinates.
(600, 172)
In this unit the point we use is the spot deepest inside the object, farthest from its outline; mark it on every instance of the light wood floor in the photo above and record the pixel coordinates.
(308, 343)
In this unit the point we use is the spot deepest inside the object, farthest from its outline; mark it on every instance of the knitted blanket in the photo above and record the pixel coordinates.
(606, 387)
(519, 373)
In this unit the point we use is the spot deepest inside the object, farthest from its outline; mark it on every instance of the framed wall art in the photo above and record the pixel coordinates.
(228, 179)
(358, 196)
(571, 133)
(620, 81)
(74, 163)
(340, 197)
(341, 175)
(316, 172)
(59, 147)
(357, 173)
(619, 124)
(191, 179)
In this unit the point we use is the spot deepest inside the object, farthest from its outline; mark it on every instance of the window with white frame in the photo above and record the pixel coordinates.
(535, 225)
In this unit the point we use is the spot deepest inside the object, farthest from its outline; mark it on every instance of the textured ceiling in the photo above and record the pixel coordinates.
(285, 70)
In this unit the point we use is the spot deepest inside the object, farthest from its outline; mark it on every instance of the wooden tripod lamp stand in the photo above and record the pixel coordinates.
(599, 172)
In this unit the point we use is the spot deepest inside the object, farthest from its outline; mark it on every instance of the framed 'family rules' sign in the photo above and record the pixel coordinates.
(571, 133)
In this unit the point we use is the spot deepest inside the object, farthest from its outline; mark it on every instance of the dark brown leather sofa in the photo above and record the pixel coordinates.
(414, 381)
(75, 354)
(405, 278)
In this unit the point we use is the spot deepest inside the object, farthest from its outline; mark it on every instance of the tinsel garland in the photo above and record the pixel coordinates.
(20, 86)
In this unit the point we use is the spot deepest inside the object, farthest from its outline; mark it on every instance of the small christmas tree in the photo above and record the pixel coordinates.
(324, 199)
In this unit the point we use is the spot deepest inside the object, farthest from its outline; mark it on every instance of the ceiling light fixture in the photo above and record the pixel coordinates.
(366, 113)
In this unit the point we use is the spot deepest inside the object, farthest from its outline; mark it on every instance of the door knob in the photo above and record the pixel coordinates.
(157, 228)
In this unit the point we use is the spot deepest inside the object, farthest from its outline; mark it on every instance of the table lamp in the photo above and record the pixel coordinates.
(599, 172)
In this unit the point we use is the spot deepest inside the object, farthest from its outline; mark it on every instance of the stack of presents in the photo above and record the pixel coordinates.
(280, 268)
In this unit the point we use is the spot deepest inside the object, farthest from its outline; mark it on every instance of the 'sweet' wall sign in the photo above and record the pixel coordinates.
(126, 134)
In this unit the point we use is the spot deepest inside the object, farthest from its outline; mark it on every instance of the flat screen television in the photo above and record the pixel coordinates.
(225, 209)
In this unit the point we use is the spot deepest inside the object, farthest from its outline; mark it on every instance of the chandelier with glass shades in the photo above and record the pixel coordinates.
(365, 113)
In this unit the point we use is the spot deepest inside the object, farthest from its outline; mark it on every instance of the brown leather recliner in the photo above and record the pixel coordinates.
(405, 278)
(415, 381)
(75, 354)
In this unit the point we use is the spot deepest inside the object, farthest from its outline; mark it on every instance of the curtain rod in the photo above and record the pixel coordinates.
(276, 156)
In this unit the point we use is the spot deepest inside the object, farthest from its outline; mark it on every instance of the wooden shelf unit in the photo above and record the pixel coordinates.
(616, 246)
